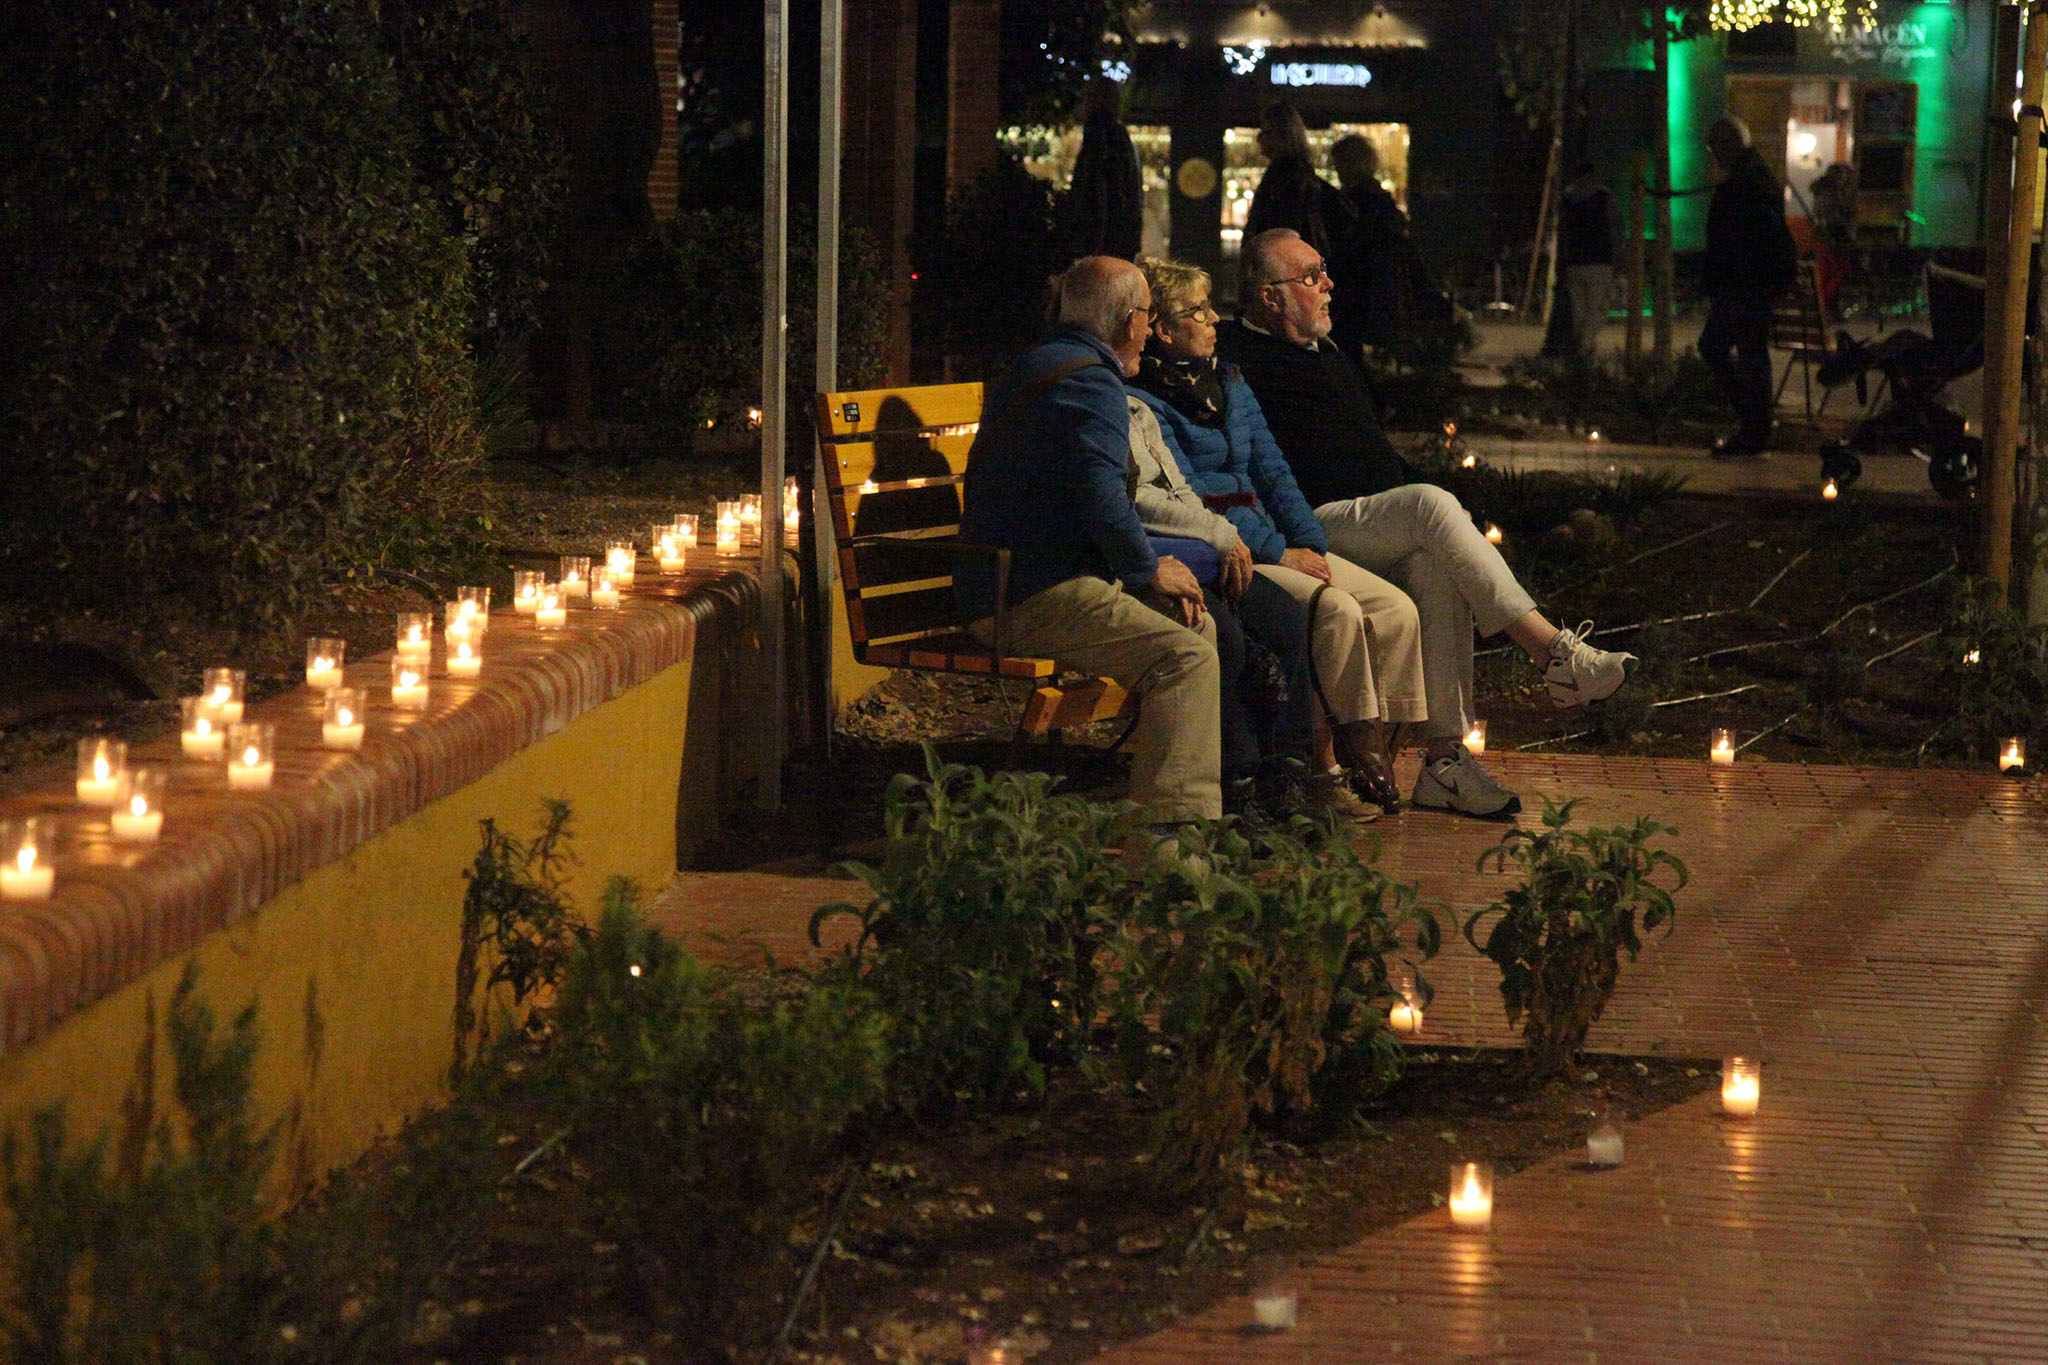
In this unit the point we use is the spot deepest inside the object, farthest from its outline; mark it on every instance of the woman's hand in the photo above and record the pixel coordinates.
(1308, 562)
(1237, 571)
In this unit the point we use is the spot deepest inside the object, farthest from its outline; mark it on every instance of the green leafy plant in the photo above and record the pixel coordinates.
(1995, 666)
(704, 1110)
(1558, 936)
(515, 909)
(1252, 983)
(981, 929)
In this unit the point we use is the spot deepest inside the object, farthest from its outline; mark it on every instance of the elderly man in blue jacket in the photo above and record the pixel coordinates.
(1046, 480)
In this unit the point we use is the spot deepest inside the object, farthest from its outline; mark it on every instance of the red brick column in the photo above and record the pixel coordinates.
(971, 97)
(879, 135)
(663, 183)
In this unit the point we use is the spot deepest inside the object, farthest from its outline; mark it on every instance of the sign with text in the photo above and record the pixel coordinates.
(1320, 73)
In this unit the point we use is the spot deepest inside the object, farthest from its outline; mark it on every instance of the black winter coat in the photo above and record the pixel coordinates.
(1749, 247)
(1320, 412)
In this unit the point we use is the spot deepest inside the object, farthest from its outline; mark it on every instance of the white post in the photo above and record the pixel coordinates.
(774, 386)
(817, 517)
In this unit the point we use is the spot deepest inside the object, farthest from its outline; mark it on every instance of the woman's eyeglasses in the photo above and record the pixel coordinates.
(1201, 312)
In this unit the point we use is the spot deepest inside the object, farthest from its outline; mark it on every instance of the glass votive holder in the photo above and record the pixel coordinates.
(750, 519)
(1276, 1302)
(1471, 1198)
(25, 871)
(465, 655)
(102, 771)
(409, 683)
(620, 560)
(463, 618)
(2012, 754)
(223, 693)
(1475, 739)
(252, 755)
(1742, 1086)
(140, 816)
(323, 662)
(341, 723)
(685, 524)
(526, 585)
(728, 526)
(1404, 1016)
(415, 635)
(478, 600)
(575, 581)
(604, 590)
(552, 612)
(1604, 1145)
(1721, 747)
(200, 734)
(669, 551)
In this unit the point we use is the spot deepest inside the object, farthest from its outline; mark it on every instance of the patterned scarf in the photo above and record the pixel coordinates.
(1193, 387)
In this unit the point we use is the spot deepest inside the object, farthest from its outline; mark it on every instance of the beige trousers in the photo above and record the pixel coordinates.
(1368, 642)
(1093, 626)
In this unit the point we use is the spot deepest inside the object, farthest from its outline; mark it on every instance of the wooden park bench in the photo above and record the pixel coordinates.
(894, 461)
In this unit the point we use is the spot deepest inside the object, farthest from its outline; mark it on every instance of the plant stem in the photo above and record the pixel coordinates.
(810, 1279)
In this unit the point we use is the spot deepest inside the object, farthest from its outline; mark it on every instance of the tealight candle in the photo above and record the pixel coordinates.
(201, 736)
(1742, 1085)
(1470, 461)
(478, 600)
(408, 683)
(465, 618)
(25, 872)
(1721, 747)
(251, 746)
(140, 817)
(1829, 491)
(604, 590)
(551, 614)
(1472, 1195)
(323, 662)
(750, 519)
(415, 635)
(526, 585)
(2012, 755)
(620, 561)
(465, 656)
(1493, 534)
(792, 515)
(1405, 1018)
(685, 527)
(1475, 739)
(728, 526)
(222, 689)
(669, 552)
(575, 576)
(102, 771)
(1604, 1144)
(995, 1353)
(1276, 1304)
(341, 727)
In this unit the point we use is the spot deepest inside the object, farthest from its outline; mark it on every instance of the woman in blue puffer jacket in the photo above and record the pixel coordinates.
(1367, 638)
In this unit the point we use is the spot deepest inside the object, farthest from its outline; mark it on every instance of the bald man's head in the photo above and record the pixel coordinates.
(1098, 293)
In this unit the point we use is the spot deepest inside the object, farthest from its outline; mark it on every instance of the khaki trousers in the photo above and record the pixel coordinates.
(1422, 538)
(1093, 626)
(1368, 642)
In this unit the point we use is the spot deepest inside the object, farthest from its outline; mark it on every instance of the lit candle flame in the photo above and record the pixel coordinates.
(138, 805)
(1829, 491)
(868, 486)
(412, 634)
(26, 858)
(221, 693)
(1471, 1193)
(408, 678)
(202, 726)
(1592, 435)
(1450, 428)
(100, 769)
(251, 756)
(344, 716)
(1493, 534)
(321, 663)
(1972, 657)
(1469, 462)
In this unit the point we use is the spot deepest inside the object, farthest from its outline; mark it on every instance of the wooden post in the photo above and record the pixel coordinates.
(1553, 179)
(1665, 281)
(2005, 317)
(1632, 344)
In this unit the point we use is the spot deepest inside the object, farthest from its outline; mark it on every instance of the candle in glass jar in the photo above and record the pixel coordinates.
(1472, 1195)
(102, 771)
(201, 736)
(341, 727)
(464, 618)
(604, 590)
(140, 817)
(620, 561)
(728, 526)
(323, 662)
(750, 519)
(251, 746)
(1742, 1086)
(25, 871)
(477, 602)
(1721, 749)
(1604, 1144)
(222, 689)
(415, 635)
(1475, 739)
(526, 585)
(408, 684)
(669, 552)
(465, 659)
(575, 576)
(792, 518)
(1405, 1018)
(551, 614)
(685, 526)
(2012, 754)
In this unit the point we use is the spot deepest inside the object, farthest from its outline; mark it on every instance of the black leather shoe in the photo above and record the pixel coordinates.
(1372, 778)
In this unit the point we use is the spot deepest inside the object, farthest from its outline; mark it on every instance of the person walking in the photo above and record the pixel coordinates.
(1585, 252)
(1291, 194)
(1750, 260)
(1105, 207)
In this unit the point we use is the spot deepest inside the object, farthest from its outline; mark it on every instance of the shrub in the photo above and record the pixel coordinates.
(1253, 983)
(514, 907)
(234, 357)
(702, 1112)
(2003, 690)
(1559, 934)
(980, 933)
(982, 279)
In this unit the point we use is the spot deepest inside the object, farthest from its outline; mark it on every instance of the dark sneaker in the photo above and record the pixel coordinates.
(1330, 794)
(1456, 783)
(1578, 673)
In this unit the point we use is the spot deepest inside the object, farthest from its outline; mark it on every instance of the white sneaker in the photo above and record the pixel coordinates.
(1578, 673)
(1456, 783)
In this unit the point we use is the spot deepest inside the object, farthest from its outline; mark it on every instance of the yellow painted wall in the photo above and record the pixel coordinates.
(353, 969)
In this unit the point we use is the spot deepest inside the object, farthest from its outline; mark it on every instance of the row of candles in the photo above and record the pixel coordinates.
(1721, 748)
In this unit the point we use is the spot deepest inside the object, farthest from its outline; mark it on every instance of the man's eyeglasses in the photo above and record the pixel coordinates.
(1315, 276)
(1144, 308)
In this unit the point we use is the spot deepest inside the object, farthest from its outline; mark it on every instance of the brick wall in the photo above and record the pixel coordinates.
(879, 135)
(663, 184)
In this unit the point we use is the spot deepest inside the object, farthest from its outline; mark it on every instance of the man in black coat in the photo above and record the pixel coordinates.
(1751, 259)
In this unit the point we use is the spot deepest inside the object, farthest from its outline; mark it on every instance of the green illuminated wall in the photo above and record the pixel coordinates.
(1697, 93)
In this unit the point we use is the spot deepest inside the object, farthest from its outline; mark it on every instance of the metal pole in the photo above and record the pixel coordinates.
(1632, 342)
(774, 386)
(818, 521)
(1663, 286)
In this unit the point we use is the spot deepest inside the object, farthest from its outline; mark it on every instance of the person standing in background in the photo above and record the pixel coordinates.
(1291, 195)
(1105, 208)
(1585, 253)
(1367, 257)
(1834, 230)
(1750, 260)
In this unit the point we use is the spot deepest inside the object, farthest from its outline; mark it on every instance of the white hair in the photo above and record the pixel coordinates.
(1097, 293)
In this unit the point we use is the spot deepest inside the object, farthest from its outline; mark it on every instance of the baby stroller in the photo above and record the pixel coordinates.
(1915, 371)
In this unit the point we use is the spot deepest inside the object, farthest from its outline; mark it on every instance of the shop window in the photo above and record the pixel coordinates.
(1244, 167)
(1049, 154)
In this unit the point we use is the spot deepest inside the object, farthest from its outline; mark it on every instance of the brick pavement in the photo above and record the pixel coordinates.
(1880, 938)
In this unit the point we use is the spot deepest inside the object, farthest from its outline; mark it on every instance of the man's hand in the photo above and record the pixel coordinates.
(1308, 562)
(1177, 582)
(1237, 571)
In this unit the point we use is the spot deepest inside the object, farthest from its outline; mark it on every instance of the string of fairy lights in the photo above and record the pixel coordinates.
(1740, 16)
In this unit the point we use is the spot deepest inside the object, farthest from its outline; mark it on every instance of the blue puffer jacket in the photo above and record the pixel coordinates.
(1242, 457)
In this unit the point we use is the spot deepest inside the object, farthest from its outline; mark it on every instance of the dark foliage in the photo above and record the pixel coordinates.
(1051, 49)
(1995, 667)
(982, 282)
